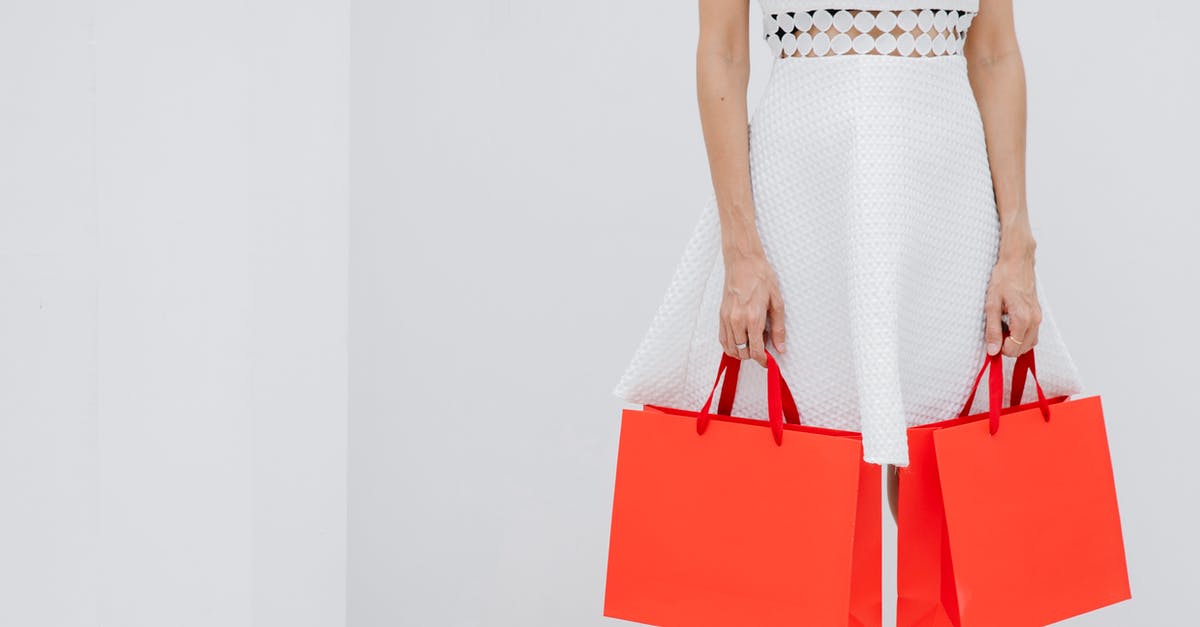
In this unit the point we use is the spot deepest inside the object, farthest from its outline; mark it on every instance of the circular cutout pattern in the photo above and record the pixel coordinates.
(820, 44)
(924, 44)
(864, 22)
(863, 43)
(803, 21)
(925, 19)
(822, 20)
(885, 43)
(922, 33)
(804, 44)
(885, 21)
(939, 20)
(939, 44)
(774, 44)
(840, 44)
(842, 21)
(789, 44)
(785, 22)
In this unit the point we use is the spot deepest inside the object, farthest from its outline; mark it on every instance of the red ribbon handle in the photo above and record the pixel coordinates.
(781, 405)
(1025, 365)
(993, 365)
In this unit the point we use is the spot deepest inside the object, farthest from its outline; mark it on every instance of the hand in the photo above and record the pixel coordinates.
(1012, 290)
(751, 308)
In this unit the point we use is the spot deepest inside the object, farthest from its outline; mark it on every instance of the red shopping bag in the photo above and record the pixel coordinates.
(720, 520)
(1009, 518)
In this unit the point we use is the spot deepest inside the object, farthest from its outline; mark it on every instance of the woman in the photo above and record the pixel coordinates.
(870, 220)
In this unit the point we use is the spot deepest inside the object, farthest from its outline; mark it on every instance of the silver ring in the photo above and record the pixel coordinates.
(741, 346)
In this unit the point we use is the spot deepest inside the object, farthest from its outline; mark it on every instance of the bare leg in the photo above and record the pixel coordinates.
(893, 491)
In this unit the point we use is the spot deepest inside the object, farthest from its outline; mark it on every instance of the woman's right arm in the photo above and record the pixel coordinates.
(751, 298)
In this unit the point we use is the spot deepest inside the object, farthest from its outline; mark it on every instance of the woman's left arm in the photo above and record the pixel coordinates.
(997, 76)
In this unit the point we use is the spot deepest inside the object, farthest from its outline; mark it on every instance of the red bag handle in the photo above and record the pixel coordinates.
(1026, 365)
(729, 389)
(993, 365)
(781, 405)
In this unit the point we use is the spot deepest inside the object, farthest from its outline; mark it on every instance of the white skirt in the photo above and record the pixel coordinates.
(874, 203)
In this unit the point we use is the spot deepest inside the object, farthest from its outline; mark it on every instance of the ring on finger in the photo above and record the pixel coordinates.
(741, 346)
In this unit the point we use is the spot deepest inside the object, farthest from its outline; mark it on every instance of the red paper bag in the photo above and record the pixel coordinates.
(720, 520)
(1009, 518)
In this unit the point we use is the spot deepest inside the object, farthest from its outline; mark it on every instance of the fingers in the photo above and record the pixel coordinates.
(726, 338)
(992, 332)
(734, 330)
(1023, 322)
(776, 317)
(757, 334)
(1012, 294)
(738, 326)
(751, 304)
(1032, 337)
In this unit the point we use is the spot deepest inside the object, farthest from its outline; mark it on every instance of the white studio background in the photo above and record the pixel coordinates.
(173, 250)
(524, 178)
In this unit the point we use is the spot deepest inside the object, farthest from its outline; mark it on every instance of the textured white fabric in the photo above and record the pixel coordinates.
(777, 6)
(874, 203)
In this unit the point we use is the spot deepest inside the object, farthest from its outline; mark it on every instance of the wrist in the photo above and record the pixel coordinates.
(1017, 243)
(742, 250)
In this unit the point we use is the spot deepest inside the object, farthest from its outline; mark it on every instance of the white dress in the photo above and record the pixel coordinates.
(874, 203)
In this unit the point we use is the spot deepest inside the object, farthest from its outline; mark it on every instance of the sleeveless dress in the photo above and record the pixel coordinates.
(875, 207)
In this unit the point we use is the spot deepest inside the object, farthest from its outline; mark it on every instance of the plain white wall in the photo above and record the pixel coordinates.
(173, 232)
(48, 330)
(1112, 191)
(525, 177)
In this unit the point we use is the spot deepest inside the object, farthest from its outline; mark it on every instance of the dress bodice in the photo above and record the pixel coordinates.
(780, 6)
(905, 28)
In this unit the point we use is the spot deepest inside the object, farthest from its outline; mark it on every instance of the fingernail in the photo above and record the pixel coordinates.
(780, 347)
(992, 348)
